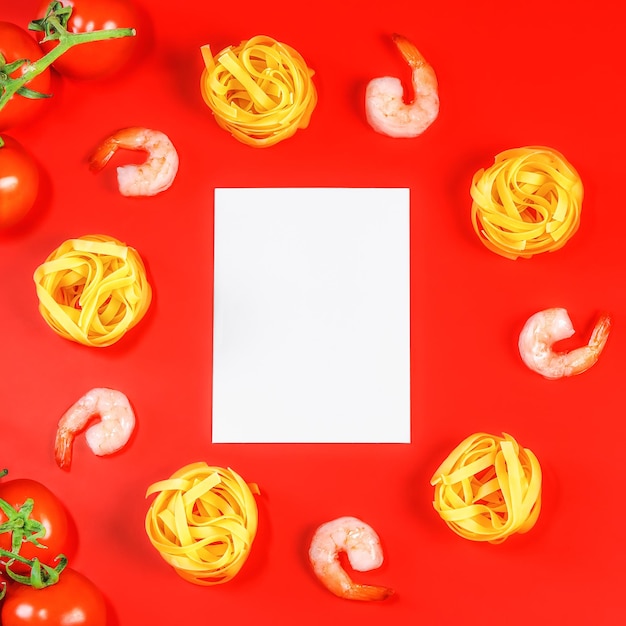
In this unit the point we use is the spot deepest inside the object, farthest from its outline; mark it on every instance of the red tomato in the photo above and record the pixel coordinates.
(48, 510)
(16, 43)
(73, 600)
(99, 58)
(19, 182)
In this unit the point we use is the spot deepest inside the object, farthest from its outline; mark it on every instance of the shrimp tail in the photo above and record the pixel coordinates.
(63, 448)
(408, 51)
(344, 587)
(368, 592)
(102, 154)
(600, 332)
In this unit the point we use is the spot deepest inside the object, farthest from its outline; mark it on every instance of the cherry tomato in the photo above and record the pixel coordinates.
(100, 58)
(48, 510)
(19, 182)
(73, 600)
(16, 43)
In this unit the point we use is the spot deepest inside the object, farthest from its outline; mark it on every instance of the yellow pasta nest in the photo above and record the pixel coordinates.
(527, 202)
(488, 488)
(203, 522)
(260, 91)
(92, 290)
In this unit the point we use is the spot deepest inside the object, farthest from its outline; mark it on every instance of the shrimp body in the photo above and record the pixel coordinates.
(154, 175)
(545, 328)
(362, 546)
(385, 108)
(108, 435)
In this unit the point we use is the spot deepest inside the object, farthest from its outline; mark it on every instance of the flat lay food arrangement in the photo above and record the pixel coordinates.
(119, 121)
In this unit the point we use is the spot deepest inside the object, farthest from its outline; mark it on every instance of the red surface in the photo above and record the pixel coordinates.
(544, 73)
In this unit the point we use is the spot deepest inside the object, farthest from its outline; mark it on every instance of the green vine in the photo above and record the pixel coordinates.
(54, 27)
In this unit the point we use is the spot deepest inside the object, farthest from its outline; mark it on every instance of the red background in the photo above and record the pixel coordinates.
(511, 74)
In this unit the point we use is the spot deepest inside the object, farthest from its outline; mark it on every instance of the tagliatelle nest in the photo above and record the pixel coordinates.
(203, 522)
(93, 290)
(488, 488)
(529, 201)
(260, 91)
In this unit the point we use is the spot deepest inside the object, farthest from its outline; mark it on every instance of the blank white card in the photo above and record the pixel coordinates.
(311, 336)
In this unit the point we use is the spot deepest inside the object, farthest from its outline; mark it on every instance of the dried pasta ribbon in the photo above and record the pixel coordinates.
(260, 91)
(488, 488)
(203, 522)
(92, 290)
(529, 201)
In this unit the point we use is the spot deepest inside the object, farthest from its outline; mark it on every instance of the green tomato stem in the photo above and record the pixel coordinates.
(66, 41)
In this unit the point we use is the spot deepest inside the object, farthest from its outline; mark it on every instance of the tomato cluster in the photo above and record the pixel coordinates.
(19, 175)
(73, 599)
(20, 52)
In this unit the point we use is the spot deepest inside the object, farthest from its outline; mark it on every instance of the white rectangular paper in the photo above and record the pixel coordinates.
(311, 338)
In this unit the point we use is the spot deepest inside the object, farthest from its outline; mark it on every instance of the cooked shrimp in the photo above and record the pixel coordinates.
(108, 435)
(544, 329)
(385, 108)
(156, 174)
(362, 546)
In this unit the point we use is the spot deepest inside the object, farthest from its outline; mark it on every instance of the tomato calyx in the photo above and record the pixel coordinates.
(20, 524)
(57, 10)
(53, 25)
(40, 575)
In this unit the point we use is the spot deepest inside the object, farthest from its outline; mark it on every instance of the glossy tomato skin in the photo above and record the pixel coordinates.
(102, 58)
(16, 43)
(19, 182)
(73, 600)
(48, 510)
